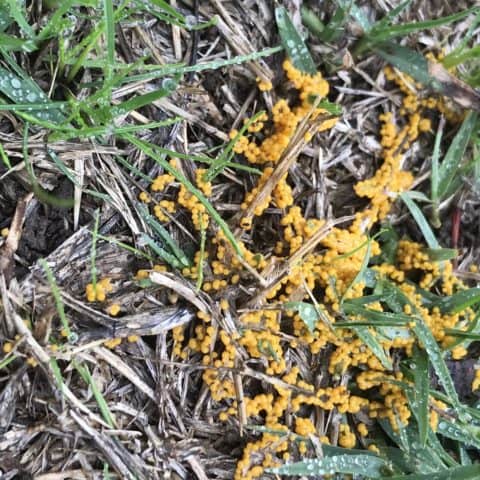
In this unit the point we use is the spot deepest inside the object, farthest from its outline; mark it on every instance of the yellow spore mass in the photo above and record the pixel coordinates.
(265, 336)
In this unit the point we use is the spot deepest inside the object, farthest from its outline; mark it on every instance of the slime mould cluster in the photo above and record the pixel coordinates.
(288, 402)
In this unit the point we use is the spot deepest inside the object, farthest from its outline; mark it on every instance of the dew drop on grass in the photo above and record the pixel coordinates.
(442, 425)
(16, 83)
(31, 97)
(168, 84)
(190, 21)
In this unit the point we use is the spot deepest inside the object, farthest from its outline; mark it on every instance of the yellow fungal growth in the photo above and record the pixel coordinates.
(4, 232)
(7, 347)
(144, 197)
(264, 335)
(285, 121)
(304, 426)
(32, 362)
(162, 182)
(100, 291)
(346, 438)
(362, 429)
(476, 380)
(142, 274)
(264, 85)
(133, 338)
(114, 309)
(162, 207)
(112, 343)
(459, 352)
(199, 213)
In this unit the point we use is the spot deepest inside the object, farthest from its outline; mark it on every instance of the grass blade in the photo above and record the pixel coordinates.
(365, 465)
(459, 301)
(223, 159)
(293, 43)
(182, 259)
(146, 99)
(406, 60)
(386, 21)
(367, 337)
(420, 367)
(441, 254)
(469, 472)
(435, 355)
(25, 91)
(387, 32)
(110, 35)
(451, 162)
(422, 222)
(308, 313)
(99, 398)
(16, 10)
(466, 434)
(374, 315)
(356, 13)
(58, 298)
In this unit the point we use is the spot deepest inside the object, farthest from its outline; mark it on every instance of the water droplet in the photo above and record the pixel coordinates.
(31, 96)
(191, 21)
(168, 84)
(16, 83)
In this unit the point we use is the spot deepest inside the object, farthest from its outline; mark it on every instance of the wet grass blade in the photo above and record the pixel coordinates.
(368, 338)
(466, 434)
(454, 156)
(5, 19)
(406, 60)
(16, 10)
(365, 465)
(110, 37)
(375, 316)
(429, 73)
(166, 256)
(469, 472)
(420, 367)
(164, 71)
(422, 222)
(140, 101)
(26, 91)
(459, 301)
(435, 355)
(293, 42)
(435, 175)
(356, 13)
(15, 44)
